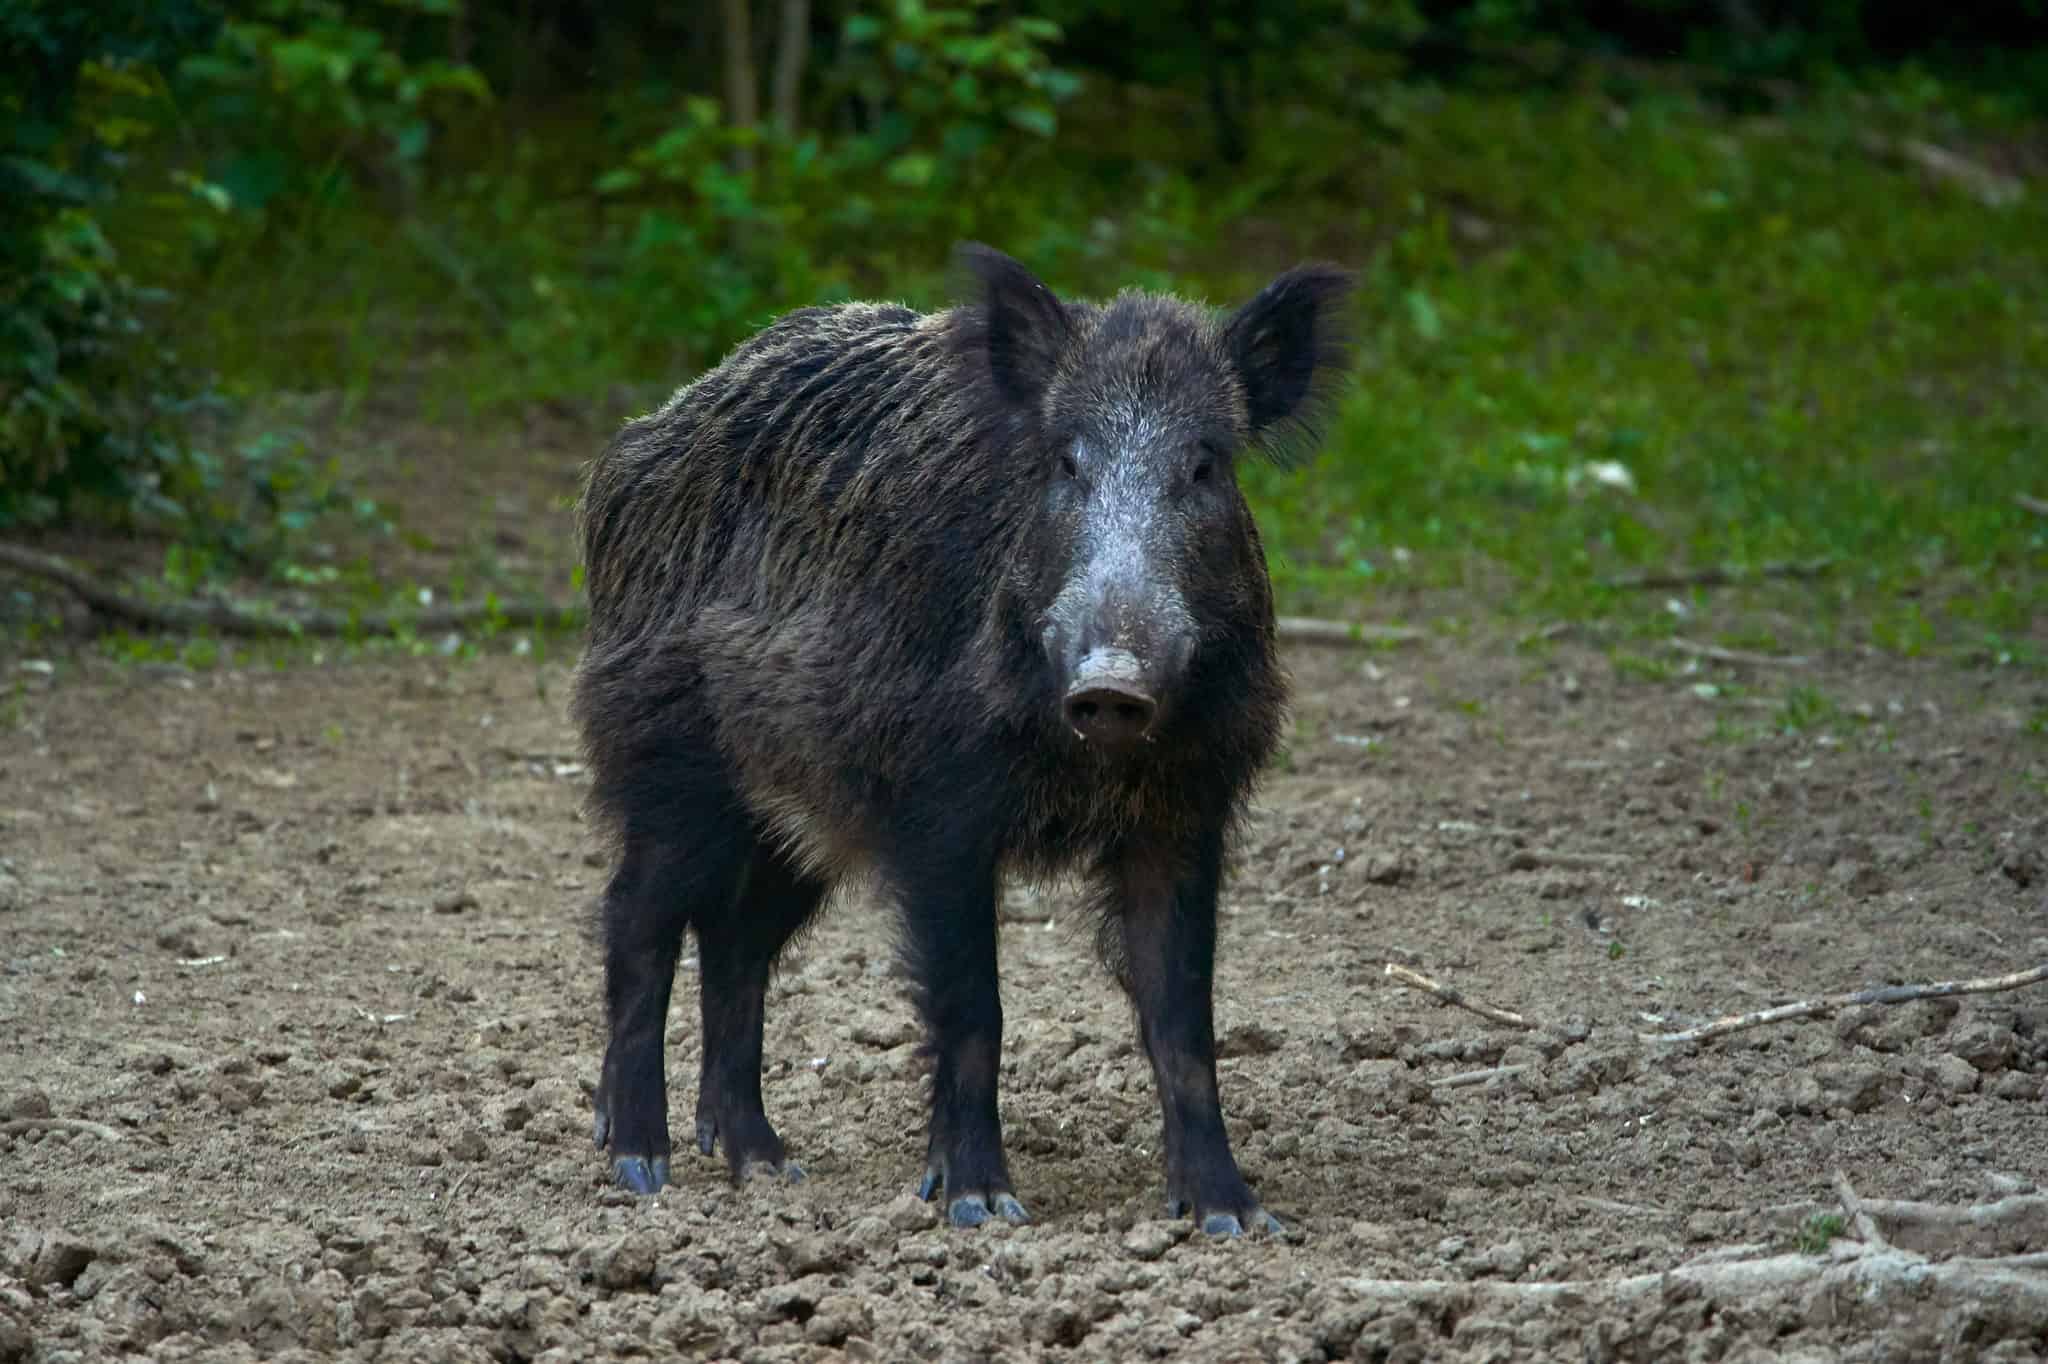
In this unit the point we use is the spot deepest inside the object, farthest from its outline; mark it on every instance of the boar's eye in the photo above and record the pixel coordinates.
(1067, 468)
(1205, 463)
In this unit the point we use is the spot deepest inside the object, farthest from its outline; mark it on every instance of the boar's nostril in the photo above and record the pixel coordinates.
(1111, 717)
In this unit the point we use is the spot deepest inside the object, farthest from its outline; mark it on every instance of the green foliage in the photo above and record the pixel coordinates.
(91, 413)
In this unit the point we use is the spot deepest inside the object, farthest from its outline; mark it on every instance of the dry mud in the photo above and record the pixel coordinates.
(298, 955)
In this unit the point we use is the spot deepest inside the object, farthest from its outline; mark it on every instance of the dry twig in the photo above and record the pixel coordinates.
(2037, 505)
(1466, 1079)
(1739, 656)
(1452, 997)
(1827, 1004)
(1866, 1226)
(19, 1126)
(253, 622)
(1721, 575)
(1529, 859)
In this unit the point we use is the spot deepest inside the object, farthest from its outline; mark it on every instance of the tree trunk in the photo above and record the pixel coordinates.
(790, 54)
(742, 99)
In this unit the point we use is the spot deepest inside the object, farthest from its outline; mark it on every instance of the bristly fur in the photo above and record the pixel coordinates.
(826, 580)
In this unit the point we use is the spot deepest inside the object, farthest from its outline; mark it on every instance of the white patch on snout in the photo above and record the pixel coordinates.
(1109, 668)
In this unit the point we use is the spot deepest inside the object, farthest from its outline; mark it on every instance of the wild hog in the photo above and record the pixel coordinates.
(933, 599)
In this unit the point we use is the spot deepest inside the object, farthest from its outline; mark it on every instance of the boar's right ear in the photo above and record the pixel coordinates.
(1290, 346)
(1024, 328)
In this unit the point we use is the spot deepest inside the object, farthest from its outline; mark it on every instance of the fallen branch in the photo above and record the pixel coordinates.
(1307, 630)
(2011, 1289)
(1989, 187)
(1452, 997)
(1739, 656)
(16, 1127)
(2037, 505)
(2020, 1222)
(1721, 575)
(1827, 1004)
(1859, 1216)
(252, 622)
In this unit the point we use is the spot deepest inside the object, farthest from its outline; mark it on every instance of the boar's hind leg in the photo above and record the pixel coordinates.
(663, 882)
(1164, 943)
(737, 950)
(950, 920)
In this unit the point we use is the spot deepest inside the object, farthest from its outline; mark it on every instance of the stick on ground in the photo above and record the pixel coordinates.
(2037, 505)
(1739, 656)
(1453, 997)
(252, 621)
(1827, 1004)
(1721, 575)
(20, 1126)
(1865, 1224)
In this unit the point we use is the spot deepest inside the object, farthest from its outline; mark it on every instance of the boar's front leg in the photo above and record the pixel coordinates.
(949, 909)
(1166, 929)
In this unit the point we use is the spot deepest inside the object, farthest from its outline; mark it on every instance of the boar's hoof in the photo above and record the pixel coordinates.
(1227, 1224)
(639, 1174)
(971, 1210)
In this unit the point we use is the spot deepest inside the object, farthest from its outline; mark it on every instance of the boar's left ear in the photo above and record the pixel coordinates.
(1290, 345)
(1023, 329)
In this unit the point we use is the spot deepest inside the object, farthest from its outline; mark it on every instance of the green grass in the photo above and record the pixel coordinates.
(1795, 347)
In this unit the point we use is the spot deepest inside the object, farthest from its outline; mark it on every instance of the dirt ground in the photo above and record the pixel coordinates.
(301, 951)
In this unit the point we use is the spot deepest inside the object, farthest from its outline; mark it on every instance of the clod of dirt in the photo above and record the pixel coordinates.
(469, 1145)
(1150, 1240)
(1856, 1087)
(1860, 879)
(1896, 1029)
(626, 1263)
(455, 901)
(59, 1261)
(885, 1034)
(1950, 1074)
(183, 938)
(1987, 1046)
(1249, 1039)
(29, 1103)
(803, 1254)
(839, 1315)
(908, 1212)
(2016, 1085)
(2022, 866)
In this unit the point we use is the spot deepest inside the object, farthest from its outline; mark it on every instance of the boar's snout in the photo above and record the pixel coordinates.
(1108, 702)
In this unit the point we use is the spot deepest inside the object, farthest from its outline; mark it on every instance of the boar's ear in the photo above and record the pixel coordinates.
(1290, 345)
(1024, 328)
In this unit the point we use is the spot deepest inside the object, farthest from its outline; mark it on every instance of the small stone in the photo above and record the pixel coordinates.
(1987, 1046)
(1899, 1028)
(60, 1261)
(1387, 869)
(454, 901)
(182, 938)
(1150, 1240)
(885, 1036)
(1450, 1248)
(1506, 1260)
(469, 1145)
(424, 1154)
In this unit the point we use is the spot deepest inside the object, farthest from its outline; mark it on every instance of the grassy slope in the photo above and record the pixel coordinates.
(1795, 346)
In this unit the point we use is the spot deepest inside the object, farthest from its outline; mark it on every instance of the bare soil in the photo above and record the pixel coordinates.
(303, 950)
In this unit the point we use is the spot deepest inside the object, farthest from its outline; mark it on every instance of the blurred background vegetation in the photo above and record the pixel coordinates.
(1647, 285)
